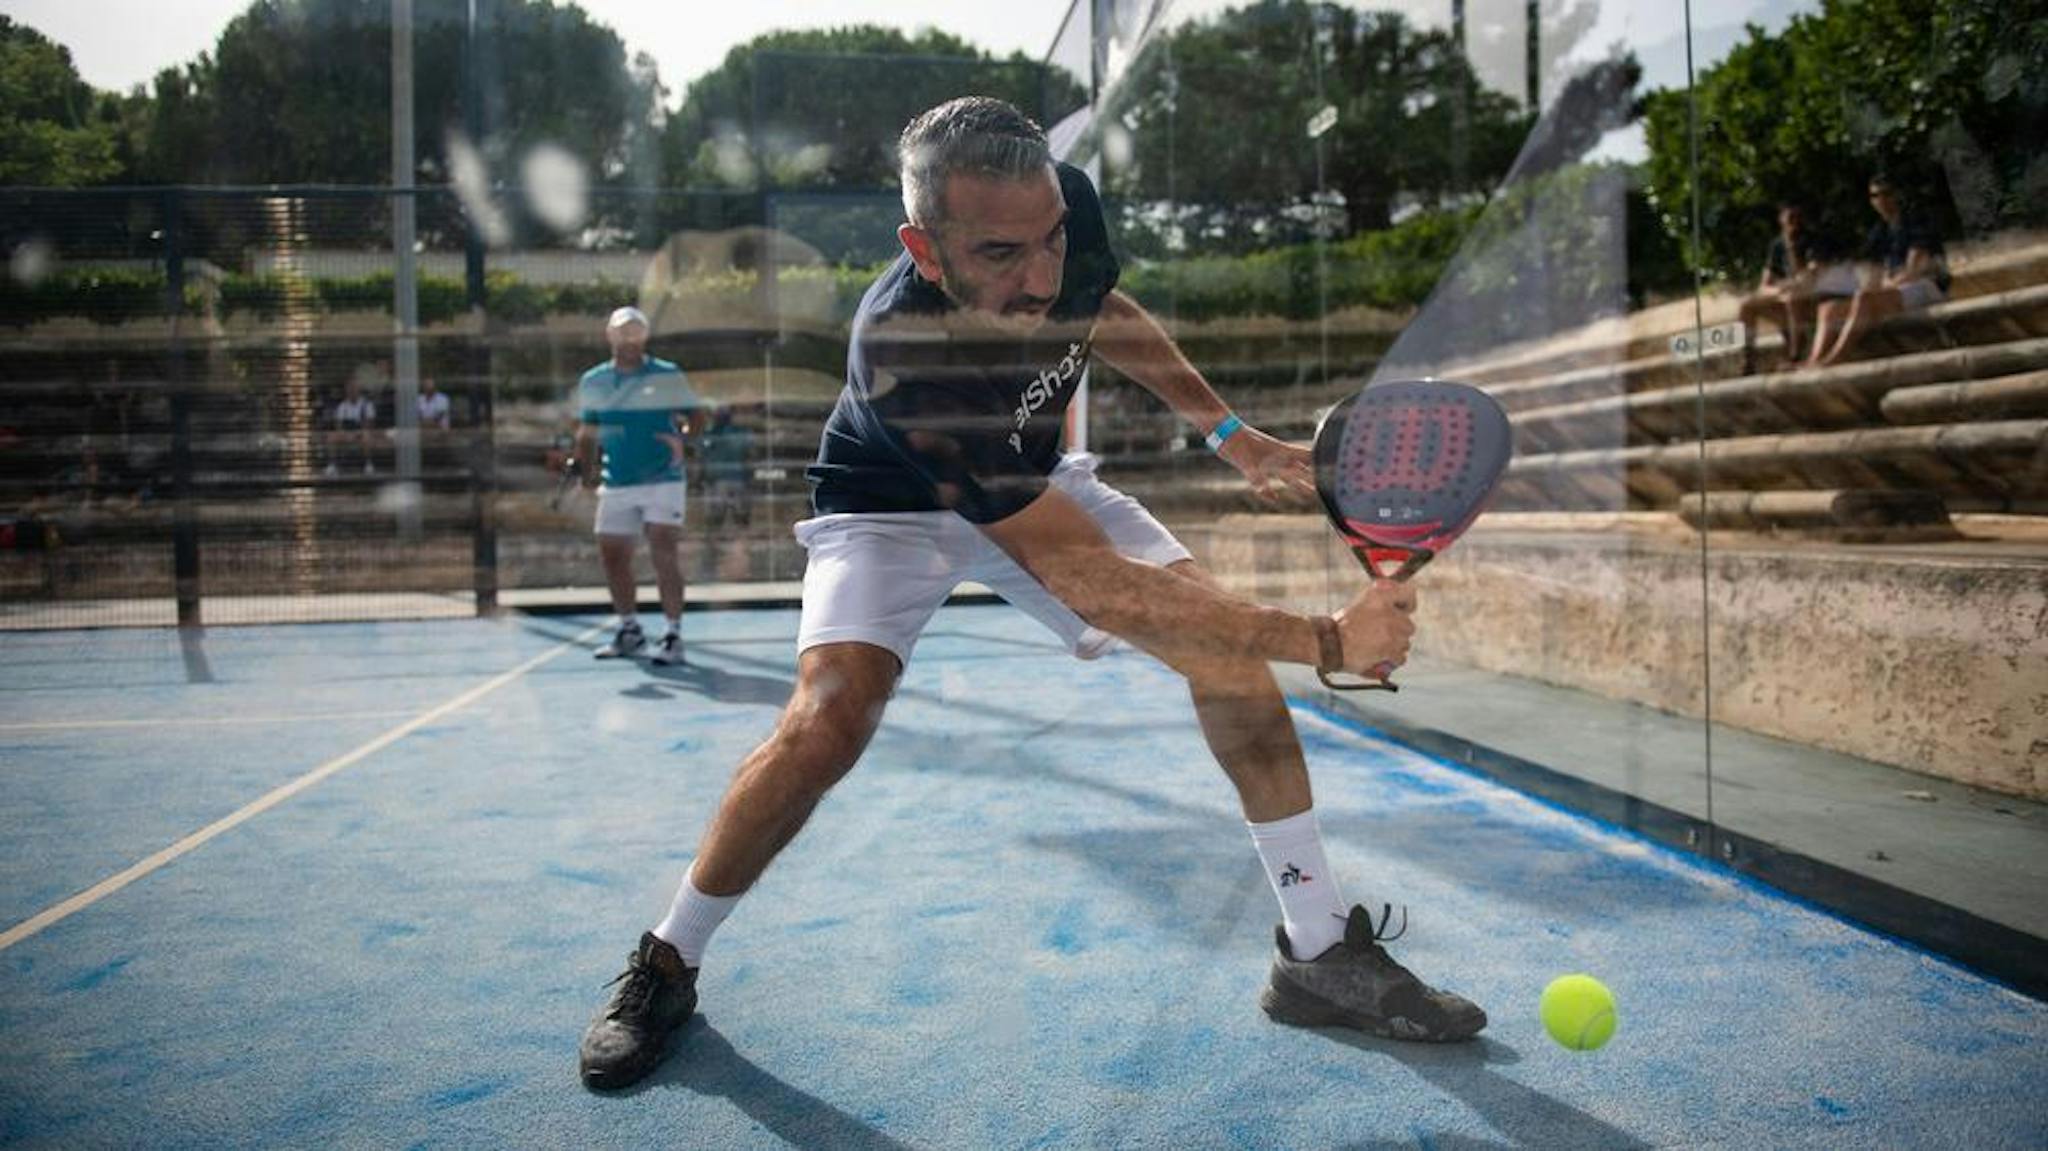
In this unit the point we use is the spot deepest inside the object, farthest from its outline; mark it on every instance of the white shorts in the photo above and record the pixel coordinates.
(877, 577)
(1837, 280)
(623, 511)
(1917, 294)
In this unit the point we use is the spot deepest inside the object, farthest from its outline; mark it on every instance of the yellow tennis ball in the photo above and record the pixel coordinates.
(1578, 1011)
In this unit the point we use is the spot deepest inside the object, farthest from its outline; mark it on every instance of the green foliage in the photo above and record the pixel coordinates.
(102, 295)
(823, 107)
(1210, 123)
(1557, 241)
(513, 301)
(1392, 269)
(592, 298)
(847, 282)
(1554, 244)
(112, 295)
(299, 91)
(264, 296)
(53, 132)
(1949, 97)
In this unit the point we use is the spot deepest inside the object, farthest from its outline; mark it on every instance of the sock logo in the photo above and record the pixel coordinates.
(1294, 876)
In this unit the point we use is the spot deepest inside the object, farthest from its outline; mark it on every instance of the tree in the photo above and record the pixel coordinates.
(1213, 121)
(299, 91)
(1948, 97)
(169, 126)
(823, 108)
(54, 130)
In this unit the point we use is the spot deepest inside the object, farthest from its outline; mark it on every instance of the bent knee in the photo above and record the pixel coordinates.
(814, 757)
(838, 703)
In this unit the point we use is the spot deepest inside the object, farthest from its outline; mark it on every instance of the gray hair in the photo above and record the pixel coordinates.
(977, 134)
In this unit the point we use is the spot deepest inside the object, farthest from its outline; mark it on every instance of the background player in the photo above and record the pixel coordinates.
(635, 410)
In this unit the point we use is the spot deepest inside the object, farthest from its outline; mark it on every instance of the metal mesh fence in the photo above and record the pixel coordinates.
(203, 387)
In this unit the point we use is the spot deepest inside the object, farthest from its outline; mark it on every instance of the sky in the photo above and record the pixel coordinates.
(117, 44)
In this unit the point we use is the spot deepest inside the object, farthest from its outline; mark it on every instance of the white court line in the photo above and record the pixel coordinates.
(220, 721)
(108, 886)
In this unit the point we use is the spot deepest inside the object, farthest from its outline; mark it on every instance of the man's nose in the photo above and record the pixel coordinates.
(1042, 278)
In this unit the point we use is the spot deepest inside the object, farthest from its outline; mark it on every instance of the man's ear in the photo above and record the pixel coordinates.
(923, 247)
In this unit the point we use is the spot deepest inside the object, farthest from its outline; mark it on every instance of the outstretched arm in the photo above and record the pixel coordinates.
(1130, 340)
(1187, 623)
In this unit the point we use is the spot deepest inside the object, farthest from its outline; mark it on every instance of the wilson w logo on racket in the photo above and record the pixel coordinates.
(1403, 469)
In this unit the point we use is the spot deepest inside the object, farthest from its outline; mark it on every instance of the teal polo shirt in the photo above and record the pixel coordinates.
(631, 412)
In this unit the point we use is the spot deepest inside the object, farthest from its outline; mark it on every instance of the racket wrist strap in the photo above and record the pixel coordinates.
(1222, 432)
(1329, 644)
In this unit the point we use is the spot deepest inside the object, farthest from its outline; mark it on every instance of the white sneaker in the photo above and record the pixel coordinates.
(629, 640)
(669, 650)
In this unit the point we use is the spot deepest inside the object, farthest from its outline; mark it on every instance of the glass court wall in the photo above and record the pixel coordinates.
(1762, 292)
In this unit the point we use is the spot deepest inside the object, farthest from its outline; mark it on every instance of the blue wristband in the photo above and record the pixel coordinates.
(1222, 432)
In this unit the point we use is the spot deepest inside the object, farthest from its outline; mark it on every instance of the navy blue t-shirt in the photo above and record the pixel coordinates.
(1892, 246)
(1785, 263)
(941, 413)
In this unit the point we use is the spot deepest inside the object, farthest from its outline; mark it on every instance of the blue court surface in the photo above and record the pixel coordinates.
(1031, 918)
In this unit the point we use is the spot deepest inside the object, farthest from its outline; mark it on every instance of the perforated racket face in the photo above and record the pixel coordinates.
(1410, 465)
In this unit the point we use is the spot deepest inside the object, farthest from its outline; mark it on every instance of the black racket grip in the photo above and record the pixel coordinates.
(1363, 685)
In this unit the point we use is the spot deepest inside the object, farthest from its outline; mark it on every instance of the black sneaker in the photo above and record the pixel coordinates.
(669, 651)
(657, 991)
(627, 642)
(1357, 984)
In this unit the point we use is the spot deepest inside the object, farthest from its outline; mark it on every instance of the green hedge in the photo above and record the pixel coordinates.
(114, 295)
(1391, 269)
(103, 295)
(1395, 269)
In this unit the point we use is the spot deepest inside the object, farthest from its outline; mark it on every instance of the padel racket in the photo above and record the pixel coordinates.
(570, 481)
(1403, 468)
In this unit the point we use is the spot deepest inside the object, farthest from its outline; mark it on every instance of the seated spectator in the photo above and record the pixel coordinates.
(433, 407)
(355, 421)
(1796, 275)
(1906, 270)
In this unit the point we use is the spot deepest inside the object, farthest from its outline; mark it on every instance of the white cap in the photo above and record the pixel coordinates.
(626, 315)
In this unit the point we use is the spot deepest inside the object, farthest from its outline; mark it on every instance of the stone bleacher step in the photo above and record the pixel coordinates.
(2007, 397)
(1987, 285)
(2004, 317)
(1809, 400)
(1851, 515)
(1991, 464)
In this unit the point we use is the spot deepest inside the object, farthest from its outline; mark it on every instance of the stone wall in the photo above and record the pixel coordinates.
(1935, 661)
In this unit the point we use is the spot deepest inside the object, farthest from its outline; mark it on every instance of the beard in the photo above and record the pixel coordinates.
(966, 293)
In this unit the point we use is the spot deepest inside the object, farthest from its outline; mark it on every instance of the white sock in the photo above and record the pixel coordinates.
(629, 621)
(691, 920)
(675, 625)
(1310, 905)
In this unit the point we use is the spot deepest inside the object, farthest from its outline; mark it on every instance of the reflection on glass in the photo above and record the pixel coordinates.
(1763, 294)
(1869, 181)
(1846, 414)
(1451, 190)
